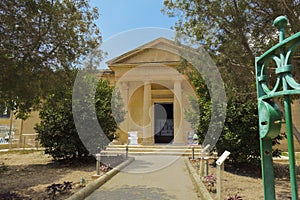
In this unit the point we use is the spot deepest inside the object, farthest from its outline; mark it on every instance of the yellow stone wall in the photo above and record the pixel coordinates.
(27, 129)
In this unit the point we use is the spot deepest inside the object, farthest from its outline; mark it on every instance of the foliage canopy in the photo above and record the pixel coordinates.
(39, 37)
(233, 32)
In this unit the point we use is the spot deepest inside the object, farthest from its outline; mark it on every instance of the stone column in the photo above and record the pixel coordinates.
(123, 126)
(125, 95)
(178, 134)
(147, 136)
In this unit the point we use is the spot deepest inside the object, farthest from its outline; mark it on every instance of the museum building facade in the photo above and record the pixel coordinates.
(155, 95)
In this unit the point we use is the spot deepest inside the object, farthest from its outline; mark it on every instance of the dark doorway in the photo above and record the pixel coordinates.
(163, 123)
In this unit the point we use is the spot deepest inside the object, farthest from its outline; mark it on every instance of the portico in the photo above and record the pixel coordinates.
(154, 94)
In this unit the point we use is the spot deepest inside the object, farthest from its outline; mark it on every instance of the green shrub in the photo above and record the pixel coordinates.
(57, 131)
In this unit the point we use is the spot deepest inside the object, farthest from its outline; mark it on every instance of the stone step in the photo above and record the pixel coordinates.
(140, 153)
(134, 150)
(155, 146)
(152, 150)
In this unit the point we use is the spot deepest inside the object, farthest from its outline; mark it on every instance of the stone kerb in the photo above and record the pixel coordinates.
(201, 189)
(85, 192)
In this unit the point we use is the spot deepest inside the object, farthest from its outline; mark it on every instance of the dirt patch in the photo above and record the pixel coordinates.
(246, 181)
(27, 174)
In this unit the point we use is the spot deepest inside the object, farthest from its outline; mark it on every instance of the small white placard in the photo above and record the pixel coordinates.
(133, 138)
(223, 157)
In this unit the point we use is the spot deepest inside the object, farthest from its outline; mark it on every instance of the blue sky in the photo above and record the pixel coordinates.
(117, 16)
(127, 24)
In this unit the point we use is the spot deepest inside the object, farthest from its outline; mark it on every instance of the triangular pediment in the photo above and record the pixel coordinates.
(160, 50)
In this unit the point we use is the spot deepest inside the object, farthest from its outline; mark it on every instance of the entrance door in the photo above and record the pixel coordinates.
(163, 123)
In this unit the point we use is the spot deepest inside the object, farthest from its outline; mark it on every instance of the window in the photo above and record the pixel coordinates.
(4, 112)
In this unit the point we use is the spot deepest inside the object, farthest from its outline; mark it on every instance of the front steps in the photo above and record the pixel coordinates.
(135, 150)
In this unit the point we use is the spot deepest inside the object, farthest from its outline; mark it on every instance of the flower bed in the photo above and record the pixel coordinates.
(33, 175)
(245, 181)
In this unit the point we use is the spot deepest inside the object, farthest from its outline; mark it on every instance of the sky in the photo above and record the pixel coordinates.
(127, 24)
(117, 16)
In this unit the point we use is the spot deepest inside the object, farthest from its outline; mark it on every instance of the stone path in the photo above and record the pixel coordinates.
(149, 178)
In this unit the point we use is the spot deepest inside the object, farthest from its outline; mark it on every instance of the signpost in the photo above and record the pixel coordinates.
(270, 118)
(220, 170)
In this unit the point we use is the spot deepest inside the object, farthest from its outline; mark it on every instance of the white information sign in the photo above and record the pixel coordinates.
(223, 157)
(133, 138)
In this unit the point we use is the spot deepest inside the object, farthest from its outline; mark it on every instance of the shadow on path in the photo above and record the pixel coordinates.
(149, 164)
(132, 192)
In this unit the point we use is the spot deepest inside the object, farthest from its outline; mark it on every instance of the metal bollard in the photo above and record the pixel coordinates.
(201, 170)
(126, 151)
(205, 166)
(201, 173)
(98, 157)
(220, 170)
(204, 161)
(193, 153)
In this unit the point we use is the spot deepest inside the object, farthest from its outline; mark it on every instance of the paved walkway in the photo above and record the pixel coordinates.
(149, 178)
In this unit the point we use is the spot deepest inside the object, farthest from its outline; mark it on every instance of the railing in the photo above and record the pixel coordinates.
(30, 140)
(27, 140)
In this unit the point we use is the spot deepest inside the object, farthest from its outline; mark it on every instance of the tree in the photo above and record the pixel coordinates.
(39, 37)
(240, 128)
(234, 32)
(57, 131)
